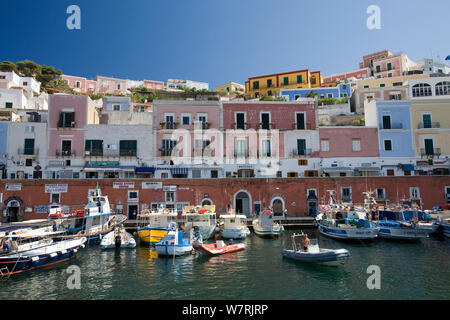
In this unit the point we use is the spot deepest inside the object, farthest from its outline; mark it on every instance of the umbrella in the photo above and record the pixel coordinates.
(448, 57)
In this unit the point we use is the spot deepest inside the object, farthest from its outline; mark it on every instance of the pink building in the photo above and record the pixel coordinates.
(67, 119)
(154, 85)
(80, 84)
(392, 66)
(111, 85)
(348, 142)
(357, 74)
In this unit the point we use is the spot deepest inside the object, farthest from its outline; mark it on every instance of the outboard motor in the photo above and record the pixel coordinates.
(118, 241)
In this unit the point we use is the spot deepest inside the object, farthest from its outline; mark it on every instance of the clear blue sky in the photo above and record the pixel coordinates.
(217, 40)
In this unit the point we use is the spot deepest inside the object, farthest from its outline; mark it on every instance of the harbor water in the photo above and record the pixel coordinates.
(409, 270)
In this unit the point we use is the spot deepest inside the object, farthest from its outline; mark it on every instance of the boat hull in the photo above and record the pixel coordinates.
(41, 257)
(108, 242)
(212, 249)
(273, 232)
(235, 233)
(325, 256)
(404, 233)
(151, 236)
(445, 229)
(171, 250)
(363, 234)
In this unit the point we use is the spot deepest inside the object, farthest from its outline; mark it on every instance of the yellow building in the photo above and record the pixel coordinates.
(388, 82)
(230, 88)
(270, 85)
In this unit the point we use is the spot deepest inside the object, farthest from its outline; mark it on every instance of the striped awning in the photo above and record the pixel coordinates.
(179, 170)
(109, 169)
(145, 170)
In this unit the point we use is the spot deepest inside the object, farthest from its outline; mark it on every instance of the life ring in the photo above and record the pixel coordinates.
(230, 211)
(145, 212)
(203, 210)
(165, 211)
(405, 207)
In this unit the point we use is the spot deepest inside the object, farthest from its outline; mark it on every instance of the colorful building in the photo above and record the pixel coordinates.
(270, 85)
(80, 84)
(340, 91)
(360, 74)
(230, 88)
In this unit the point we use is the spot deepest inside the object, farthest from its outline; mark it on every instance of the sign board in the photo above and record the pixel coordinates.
(55, 188)
(13, 187)
(40, 209)
(123, 185)
(170, 188)
(151, 185)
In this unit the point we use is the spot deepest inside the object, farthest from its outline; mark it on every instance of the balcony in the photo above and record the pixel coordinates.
(202, 152)
(93, 153)
(241, 154)
(127, 153)
(169, 152)
(392, 126)
(306, 126)
(28, 152)
(168, 125)
(242, 126)
(301, 152)
(199, 125)
(65, 153)
(430, 152)
(385, 70)
(266, 126)
(66, 125)
(429, 125)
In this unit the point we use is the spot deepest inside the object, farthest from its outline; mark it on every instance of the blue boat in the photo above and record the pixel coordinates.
(20, 254)
(174, 243)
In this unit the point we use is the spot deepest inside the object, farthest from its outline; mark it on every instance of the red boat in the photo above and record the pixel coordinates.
(219, 247)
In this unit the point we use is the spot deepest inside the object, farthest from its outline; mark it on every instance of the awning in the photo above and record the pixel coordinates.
(367, 168)
(407, 167)
(179, 170)
(109, 169)
(145, 170)
(337, 169)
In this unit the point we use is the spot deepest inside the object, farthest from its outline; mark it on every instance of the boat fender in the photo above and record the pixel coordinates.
(405, 207)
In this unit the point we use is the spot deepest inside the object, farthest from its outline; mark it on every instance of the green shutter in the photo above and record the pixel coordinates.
(87, 145)
(29, 146)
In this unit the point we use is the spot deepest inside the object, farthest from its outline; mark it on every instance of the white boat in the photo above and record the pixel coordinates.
(265, 226)
(202, 217)
(315, 254)
(233, 226)
(95, 221)
(153, 225)
(174, 243)
(393, 225)
(445, 224)
(118, 238)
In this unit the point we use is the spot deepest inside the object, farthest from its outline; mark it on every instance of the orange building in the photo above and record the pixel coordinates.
(270, 85)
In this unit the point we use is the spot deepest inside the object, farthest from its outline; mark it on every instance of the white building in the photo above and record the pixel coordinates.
(173, 84)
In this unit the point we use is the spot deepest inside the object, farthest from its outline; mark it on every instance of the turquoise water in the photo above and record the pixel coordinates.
(417, 270)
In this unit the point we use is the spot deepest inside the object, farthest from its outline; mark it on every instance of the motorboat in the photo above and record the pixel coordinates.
(233, 226)
(174, 242)
(265, 226)
(153, 225)
(315, 254)
(118, 238)
(218, 247)
(202, 217)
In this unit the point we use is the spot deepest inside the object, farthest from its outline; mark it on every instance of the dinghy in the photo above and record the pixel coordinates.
(315, 254)
(118, 238)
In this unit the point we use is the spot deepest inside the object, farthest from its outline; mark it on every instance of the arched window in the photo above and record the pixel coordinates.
(421, 90)
(443, 88)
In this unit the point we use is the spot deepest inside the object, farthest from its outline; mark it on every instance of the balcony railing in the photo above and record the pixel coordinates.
(242, 126)
(169, 152)
(93, 153)
(306, 126)
(266, 126)
(127, 153)
(392, 126)
(202, 152)
(429, 125)
(301, 152)
(28, 151)
(168, 125)
(430, 151)
(69, 125)
(385, 70)
(201, 125)
(65, 153)
(241, 154)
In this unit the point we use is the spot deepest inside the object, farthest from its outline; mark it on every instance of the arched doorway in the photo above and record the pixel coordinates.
(206, 202)
(242, 203)
(277, 205)
(13, 205)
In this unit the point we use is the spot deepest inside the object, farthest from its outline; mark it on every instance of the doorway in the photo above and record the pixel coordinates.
(132, 211)
(242, 203)
(12, 211)
(277, 207)
(312, 208)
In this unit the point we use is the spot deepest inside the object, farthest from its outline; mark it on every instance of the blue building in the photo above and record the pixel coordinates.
(394, 128)
(3, 145)
(340, 91)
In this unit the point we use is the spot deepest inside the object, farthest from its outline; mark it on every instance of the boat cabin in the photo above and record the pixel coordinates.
(233, 221)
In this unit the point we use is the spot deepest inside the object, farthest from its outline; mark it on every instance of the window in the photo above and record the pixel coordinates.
(128, 148)
(301, 147)
(389, 66)
(241, 148)
(269, 83)
(214, 174)
(28, 162)
(397, 84)
(280, 175)
(265, 120)
(388, 145)
(346, 193)
(443, 88)
(381, 193)
(378, 68)
(66, 120)
(93, 147)
(240, 121)
(292, 174)
(414, 192)
(105, 84)
(382, 85)
(299, 78)
(313, 80)
(78, 84)
(426, 120)
(265, 148)
(329, 95)
(285, 81)
(54, 197)
(8, 105)
(447, 194)
(118, 86)
(366, 87)
(386, 122)
(28, 147)
(25, 83)
(133, 195)
(300, 124)
(356, 145)
(116, 107)
(303, 162)
(421, 90)
(255, 84)
(186, 119)
(170, 196)
(390, 172)
(325, 145)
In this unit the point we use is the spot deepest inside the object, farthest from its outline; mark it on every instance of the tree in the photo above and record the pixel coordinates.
(59, 85)
(28, 68)
(8, 66)
(47, 73)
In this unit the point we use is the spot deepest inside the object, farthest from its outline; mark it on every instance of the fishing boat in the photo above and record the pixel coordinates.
(315, 254)
(265, 226)
(153, 225)
(25, 253)
(118, 238)
(219, 247)
(341, 222)
(233, 226)
(174, 242)
(95, 221)
(202, 217)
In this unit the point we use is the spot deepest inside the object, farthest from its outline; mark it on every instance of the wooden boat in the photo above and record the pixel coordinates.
(173, 243)
(264, 226)
(233, 226)
(219, 247)
(153, 225)
(315, 254)
(118, 238)
(203, 218)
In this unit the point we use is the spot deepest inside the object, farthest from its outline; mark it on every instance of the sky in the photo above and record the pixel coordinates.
(217, 41)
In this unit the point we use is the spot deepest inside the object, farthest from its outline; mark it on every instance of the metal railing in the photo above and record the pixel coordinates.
(301, 152)
(28, 151)
(430, 151)
(168, 125)
(429, 125)
(306, 126)
(70, 124)
(65, 153)
(392, 126)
